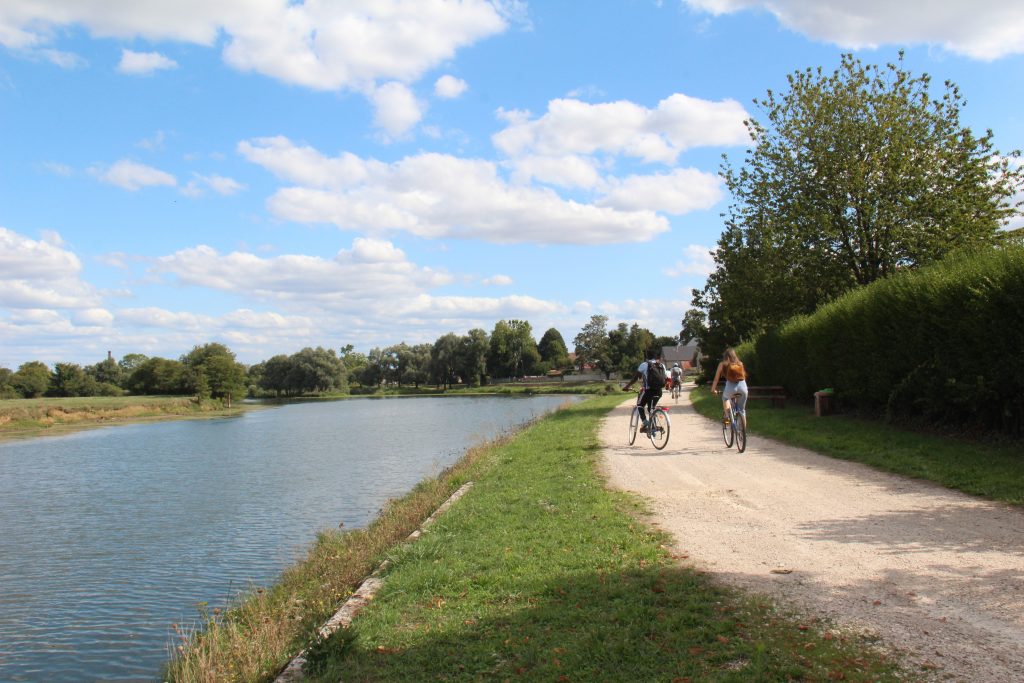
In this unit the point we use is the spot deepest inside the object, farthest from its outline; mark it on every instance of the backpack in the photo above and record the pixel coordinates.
(734, 372)
(655, 375)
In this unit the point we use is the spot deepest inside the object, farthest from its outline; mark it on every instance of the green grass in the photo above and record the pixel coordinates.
(991, 470)
(541, 573)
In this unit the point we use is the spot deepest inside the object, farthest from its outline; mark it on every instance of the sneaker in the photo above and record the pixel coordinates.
(643, 429)
(725, 421)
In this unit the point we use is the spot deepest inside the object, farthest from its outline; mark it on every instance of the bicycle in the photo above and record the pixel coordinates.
(658, 425)
(676, 389)
(735, 430)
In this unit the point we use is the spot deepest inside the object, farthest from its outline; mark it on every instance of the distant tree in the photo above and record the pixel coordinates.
(214, 366)
(274, 375)
(592, 345)
(7, 389)
(315, 370)
(444, 359)
(415, 364)
(69, 379)
(107, 371)
(373, 372)
(472, 357)
(353, 360)
(159, 376)
(628, 347)
(32, 379)
(513, 351)
(553, 351)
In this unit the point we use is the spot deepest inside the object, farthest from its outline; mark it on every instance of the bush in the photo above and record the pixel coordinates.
(941, 343)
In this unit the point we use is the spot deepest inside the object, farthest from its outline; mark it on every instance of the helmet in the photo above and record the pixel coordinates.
(675, 365)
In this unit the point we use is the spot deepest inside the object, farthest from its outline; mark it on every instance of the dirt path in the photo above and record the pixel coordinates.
(935, 573)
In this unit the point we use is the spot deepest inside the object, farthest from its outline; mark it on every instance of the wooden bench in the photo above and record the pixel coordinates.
(777, 395)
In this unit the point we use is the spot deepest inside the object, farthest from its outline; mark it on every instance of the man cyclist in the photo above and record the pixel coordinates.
(652, 375)
(677, 378)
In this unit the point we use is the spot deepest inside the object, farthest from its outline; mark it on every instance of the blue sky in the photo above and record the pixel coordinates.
(273, 175)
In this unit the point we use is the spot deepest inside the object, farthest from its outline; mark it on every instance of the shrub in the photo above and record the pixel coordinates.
(941, 343)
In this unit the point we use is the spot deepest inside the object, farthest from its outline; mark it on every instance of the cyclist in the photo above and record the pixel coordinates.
(735, 381)
(652, 375)
(677, 378)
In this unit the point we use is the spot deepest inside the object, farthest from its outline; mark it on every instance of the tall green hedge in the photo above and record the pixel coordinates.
(943, 343)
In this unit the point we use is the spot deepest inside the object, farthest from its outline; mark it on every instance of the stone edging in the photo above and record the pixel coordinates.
(363, 595)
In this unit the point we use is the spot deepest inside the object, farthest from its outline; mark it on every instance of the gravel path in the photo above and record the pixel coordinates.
(932, 572)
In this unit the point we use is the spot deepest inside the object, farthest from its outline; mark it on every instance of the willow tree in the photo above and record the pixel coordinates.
(851, 177)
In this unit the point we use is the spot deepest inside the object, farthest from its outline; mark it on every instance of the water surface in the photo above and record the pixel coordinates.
(109, 536)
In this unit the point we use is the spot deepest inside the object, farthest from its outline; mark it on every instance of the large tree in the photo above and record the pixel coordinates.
(32, 379)
(592, 345)
(215, 372)
(513, 350)
(852, 176)
(552, 349)
(472, 357)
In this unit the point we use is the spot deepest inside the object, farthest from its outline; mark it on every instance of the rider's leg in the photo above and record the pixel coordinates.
(642, 404)
(727, 392)
(741, 402)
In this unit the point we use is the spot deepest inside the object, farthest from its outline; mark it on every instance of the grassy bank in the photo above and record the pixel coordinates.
(538, 573)
(990, 470)
(31, 417)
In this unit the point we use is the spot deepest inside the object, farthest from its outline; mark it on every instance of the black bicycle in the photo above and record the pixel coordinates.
(658, 425)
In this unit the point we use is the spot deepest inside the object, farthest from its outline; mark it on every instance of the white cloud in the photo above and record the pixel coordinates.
(396, 108)
(58, 168)
(497, 280)
(222, 185)
(144, 63)
(154, 143)
(159, 317)
(305, 165)
(697, 260)
(449, 87)
(371, 271)
(570, 126)
(436, 196)
(681, 191)
(133, 176)
(983, 29)
(37, 274)
(65, 60)
(92, 317)
(570, 170)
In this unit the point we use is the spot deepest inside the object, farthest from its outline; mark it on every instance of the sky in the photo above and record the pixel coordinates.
(274, 174)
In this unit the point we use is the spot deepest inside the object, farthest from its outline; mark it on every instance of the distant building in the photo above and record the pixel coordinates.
(687, 355)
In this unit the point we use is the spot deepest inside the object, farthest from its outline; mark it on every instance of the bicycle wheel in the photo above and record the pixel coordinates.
(741, 433)
(727, 433)
(634, 424)
(659, 429)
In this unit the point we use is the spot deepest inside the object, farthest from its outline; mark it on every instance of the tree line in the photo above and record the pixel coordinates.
(472, 359)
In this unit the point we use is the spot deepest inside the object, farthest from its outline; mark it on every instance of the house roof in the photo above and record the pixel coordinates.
(679, 353)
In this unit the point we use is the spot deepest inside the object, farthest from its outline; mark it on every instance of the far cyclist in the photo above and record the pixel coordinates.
(653, 376)
(677, 379)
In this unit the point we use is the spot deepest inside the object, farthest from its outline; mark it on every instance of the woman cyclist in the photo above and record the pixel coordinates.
(735, 382)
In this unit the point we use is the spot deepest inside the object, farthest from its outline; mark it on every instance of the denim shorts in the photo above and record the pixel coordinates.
(733, 387)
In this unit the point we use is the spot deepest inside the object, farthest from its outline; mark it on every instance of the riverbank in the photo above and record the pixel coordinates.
(24, 418)
(538, 573)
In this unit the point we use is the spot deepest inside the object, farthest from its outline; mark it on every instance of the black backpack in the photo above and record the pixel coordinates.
(655, 375)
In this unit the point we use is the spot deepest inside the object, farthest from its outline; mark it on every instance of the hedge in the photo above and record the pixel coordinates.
(943, 343)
